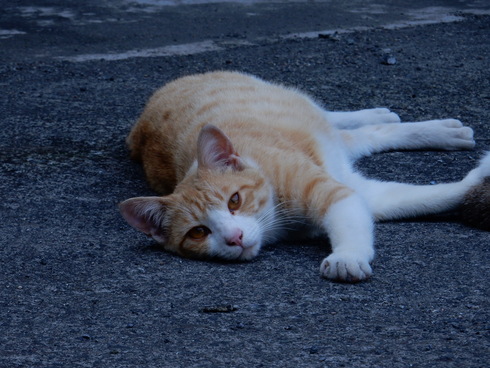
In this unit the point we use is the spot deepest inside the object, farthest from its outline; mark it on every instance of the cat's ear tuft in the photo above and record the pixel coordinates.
(215, 150)
(148, 215)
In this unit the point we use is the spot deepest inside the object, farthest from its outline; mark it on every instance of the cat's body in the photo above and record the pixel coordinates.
(236, 157)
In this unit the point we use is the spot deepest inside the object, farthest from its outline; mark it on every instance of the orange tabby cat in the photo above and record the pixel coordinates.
(237, 159)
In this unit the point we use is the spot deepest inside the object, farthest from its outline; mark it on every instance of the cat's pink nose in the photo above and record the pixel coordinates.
(235, 239)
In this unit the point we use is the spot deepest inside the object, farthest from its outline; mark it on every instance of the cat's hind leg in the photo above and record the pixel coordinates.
(447, 134)
(392, 200)
(356, 119)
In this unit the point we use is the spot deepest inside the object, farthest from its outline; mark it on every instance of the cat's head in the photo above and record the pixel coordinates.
(223, 208)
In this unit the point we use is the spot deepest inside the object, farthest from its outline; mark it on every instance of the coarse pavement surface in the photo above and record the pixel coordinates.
(80, 288)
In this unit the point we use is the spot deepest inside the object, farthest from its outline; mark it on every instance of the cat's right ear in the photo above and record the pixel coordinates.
(148, 215)
(215, 150)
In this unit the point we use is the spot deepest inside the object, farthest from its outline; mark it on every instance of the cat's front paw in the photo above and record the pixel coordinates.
(345, 267)
(448, 134)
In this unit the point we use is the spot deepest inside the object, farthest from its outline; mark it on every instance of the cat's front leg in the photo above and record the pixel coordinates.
(349, 225)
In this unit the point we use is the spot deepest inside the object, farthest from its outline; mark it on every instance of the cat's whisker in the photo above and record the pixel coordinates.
(278, 218)
(281, 213)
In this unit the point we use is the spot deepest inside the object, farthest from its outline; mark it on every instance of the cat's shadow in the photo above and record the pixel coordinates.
(453, 217)
(150, 247)
(313, 248)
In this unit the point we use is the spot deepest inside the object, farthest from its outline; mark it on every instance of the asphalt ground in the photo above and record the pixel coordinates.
(80, 288)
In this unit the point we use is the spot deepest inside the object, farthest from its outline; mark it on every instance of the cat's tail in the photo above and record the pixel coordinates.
(478, 174)
(136, 140)
(392, 200)
(485, 163)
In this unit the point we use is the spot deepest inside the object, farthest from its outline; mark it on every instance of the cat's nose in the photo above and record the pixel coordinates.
(235, 238)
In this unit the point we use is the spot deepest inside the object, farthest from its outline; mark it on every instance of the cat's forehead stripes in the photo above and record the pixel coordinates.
(258, 183)
(195, 203)
(196, 198)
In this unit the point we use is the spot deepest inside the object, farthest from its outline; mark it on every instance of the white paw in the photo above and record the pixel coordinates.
(457, 135)
(345, 267)
(447, 134)
(379, 115)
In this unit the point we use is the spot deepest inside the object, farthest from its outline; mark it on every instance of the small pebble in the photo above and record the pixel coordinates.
(219, 309)
(388, 60)
(314, 350)
(333, 37)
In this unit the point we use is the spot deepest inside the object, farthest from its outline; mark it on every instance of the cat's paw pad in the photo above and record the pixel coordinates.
(345, 267)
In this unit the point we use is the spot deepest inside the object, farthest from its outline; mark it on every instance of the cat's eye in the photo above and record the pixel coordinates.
(198, 232)
(234, 202)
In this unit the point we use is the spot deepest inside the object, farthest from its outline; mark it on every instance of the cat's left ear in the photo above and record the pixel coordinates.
(215, 150)
(148, 215)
